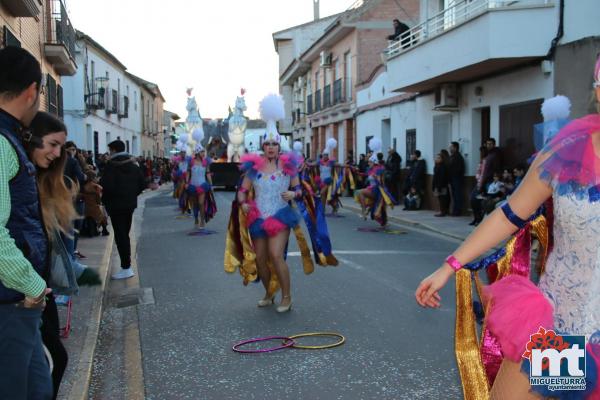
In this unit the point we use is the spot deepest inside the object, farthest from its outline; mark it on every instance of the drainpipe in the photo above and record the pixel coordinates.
(559, 33)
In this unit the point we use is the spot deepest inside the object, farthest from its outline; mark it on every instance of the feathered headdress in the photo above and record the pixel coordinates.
(375, 146)
(555, 111)
(330, 145)
(272, 110)
(297, 147)
(198, 148)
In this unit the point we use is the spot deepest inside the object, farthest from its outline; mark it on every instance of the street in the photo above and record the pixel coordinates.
(393, 349)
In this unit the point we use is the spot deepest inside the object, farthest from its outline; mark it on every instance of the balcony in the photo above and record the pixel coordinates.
(469, 40)
(327, 96)
(59, 48)
(337, 91)
(112, 101)
(318, 100)
(23, 8)
(309, 104)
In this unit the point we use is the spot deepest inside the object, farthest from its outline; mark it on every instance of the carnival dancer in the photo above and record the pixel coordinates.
(567, 298)
(199, 188)
(180, 177)
(328, 184)
(375, 198)
(269, 185)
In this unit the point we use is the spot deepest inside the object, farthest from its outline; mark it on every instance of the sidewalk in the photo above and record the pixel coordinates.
(87, 311)
(454, 227)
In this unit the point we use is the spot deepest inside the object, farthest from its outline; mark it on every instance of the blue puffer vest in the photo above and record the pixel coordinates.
(25, 224)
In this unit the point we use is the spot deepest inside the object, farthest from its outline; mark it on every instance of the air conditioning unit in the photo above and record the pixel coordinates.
(446, 97)
(326, 58)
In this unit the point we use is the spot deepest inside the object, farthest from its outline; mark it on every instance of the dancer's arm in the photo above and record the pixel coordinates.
(494, 229)
(295, 193)
(242, 194)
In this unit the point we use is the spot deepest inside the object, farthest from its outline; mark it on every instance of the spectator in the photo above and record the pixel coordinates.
(509, 182)
(399, 30)
(456, 173)
(491, 165)
(392, 172)
(74, 173)
(58, 211)
(518, 173)
(417, 173)
(475, 199)
(24, 372)
(412, 201)
(494, 194)
(122, 182)
(440, 185)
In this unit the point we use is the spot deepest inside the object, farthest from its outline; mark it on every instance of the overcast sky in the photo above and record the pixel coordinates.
(216, 46)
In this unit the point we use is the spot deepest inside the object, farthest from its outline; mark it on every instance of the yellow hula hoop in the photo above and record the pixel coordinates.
(340, 342)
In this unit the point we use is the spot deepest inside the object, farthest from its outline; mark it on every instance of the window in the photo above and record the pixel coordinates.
(51, 95)
(411, 142)
(348, 66)
(134, 100)
(59, 101)
(10, 39)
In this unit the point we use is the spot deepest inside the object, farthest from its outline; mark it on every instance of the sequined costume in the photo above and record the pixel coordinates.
(567, 298)
(380, 198)
(197, 185)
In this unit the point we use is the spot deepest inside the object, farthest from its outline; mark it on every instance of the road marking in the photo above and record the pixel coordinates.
(375, 252)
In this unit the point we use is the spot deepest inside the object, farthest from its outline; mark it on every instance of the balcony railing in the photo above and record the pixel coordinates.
(309, 104)
(60, 42)
(327, 96)
(337, 91)
(318, 100)
(451, 17)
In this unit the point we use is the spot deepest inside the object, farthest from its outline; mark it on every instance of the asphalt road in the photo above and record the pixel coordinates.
(394, 349)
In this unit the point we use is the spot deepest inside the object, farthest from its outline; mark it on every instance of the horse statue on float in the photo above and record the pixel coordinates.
(237, 130)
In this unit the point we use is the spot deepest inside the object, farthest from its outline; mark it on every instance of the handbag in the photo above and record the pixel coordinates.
(62, 274)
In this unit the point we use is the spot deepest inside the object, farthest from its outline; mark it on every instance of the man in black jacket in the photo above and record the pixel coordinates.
(122, 181)
(457, 177)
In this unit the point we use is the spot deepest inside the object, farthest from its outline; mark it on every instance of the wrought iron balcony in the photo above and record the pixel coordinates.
(327, 96)
(309, 104)
(318, 100)
(337, 91)
(59, 48)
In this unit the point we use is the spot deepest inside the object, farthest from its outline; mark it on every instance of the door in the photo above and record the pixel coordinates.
(386, 135)
(341, 143)
(516, 131)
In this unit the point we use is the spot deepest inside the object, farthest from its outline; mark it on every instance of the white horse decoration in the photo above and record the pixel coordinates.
(237, 130)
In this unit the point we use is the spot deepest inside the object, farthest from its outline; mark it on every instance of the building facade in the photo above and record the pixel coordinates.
(481, 69)
(324, 78)
(168, 129)
(151, 114)
(43, 28)
(101, 101)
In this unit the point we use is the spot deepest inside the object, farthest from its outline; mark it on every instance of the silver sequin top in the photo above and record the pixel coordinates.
(198, 174)
(267, 191)
(324, 171)
(572, 277)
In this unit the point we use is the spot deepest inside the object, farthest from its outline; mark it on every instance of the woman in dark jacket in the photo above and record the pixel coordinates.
(440, 185)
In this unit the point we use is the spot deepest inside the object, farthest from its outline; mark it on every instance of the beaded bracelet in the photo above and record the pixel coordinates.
(512, 217)
(454, 263)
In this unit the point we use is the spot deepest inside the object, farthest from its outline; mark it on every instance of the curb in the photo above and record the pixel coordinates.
(412, 223)
(80, 387)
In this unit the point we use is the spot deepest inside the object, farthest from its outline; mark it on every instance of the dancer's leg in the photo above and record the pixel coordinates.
(201, 198)
(276, 245)
(260, 248)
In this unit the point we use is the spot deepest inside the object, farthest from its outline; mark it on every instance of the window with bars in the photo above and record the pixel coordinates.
(59, 101)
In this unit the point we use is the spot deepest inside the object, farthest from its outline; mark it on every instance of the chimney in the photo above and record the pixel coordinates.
(316, 9)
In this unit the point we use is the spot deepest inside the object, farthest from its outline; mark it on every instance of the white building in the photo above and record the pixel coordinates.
(100, 101)
(481, 68)
(386, 115)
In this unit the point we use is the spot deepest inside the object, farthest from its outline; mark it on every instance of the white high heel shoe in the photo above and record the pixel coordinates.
(266, 301)
(282, 309)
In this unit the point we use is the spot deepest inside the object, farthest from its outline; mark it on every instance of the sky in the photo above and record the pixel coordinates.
(214, 46)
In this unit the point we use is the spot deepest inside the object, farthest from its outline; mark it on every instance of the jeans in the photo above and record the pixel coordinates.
(24, 371)
(476, 206)
(121, 222)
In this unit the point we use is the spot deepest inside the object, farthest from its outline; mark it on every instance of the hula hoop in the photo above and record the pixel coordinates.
(340, 342)
(287, 342)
